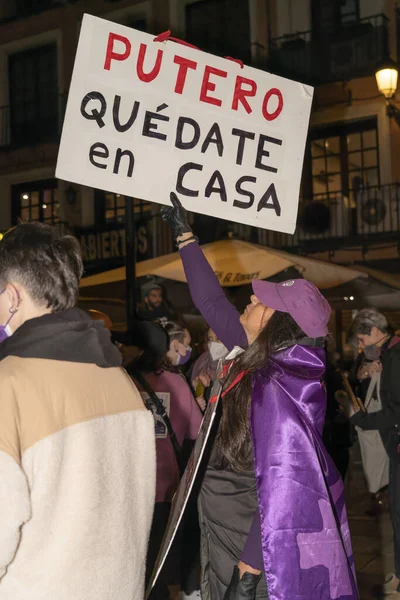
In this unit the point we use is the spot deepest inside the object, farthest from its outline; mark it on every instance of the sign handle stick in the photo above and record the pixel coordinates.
(130, 264)
(357, 404)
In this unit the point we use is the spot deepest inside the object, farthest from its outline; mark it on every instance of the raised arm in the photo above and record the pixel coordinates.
(205, 289)
(209, 297)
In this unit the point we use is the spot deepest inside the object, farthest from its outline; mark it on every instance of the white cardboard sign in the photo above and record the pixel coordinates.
(147, 117)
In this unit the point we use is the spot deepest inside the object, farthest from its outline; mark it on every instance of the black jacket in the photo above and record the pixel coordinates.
(387, 420)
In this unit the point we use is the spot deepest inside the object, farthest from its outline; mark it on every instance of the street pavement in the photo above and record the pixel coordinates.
(371, 537)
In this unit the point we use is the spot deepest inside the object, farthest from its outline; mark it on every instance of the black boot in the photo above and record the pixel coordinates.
(242, 589)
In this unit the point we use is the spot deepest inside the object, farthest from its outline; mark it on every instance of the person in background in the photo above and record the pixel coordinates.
(162, 349)
(76, 492)
(179, 350)
(366, 382)
(204, 370)
(382, 349)
(271, 503)
(154, 305)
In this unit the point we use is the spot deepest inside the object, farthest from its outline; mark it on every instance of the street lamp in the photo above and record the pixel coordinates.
(386, 79)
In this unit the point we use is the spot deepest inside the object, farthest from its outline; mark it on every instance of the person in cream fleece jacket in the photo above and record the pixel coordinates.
(77, 449)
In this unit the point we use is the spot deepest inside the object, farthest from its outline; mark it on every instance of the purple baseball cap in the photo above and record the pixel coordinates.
(301, 299)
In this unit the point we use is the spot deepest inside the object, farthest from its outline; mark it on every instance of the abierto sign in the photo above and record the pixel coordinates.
(145, 118)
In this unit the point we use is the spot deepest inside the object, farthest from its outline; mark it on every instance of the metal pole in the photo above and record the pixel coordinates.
(339, 327)
(269, 27)
(130, 263)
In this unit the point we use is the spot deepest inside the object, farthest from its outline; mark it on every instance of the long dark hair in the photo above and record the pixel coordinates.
(233, 448)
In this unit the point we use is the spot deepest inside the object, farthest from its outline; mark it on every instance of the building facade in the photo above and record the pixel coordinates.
(349, 207)
(349, 200)
(38, 41)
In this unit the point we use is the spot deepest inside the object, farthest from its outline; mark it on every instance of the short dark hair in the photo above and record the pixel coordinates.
(45, 262)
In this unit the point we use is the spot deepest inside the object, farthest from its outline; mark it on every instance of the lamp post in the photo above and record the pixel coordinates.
(130, 263)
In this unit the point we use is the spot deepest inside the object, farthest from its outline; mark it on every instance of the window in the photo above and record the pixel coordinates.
(34, 97)
(398, 31)
(37, 201)
(110, 208)
(11, 9)
(30, 7)
(331, 15)
(343, 158)
(221, 27)
(139, 24)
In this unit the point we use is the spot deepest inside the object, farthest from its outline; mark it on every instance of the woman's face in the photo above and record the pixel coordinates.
(186, 342)
(211, 337)
(178, 349)
(256, 315)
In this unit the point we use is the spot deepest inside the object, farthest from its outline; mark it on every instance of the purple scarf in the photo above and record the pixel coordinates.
(304, 530)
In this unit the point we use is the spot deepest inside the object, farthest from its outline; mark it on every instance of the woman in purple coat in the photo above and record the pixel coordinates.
(272, 509)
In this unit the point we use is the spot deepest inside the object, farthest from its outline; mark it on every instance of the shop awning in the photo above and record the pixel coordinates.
(236, 263)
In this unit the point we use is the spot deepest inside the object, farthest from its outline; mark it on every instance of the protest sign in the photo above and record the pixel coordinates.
(186, 484)
(146, 117)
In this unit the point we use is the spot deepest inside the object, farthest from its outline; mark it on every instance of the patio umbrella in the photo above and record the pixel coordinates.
(235, 263)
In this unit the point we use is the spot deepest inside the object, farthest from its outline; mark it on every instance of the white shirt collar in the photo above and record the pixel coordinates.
(237, 351)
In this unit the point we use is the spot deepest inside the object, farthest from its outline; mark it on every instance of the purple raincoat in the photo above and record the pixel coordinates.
(305, 535)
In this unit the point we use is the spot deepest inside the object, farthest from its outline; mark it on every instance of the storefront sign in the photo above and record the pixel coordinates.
(227, 278)
(106, 249)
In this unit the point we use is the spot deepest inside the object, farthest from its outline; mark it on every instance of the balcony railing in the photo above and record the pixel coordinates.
(33, 125)
(332, 221)
(352, 51)
(326, 222)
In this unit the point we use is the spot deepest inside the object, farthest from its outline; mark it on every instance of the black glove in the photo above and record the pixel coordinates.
(176, 217)
(242, 589)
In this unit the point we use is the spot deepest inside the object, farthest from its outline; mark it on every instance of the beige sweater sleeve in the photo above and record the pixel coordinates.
(15, 507)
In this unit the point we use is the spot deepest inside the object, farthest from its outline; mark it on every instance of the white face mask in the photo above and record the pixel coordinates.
(217, 350)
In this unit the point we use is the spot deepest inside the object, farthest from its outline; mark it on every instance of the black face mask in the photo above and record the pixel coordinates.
(372, 351)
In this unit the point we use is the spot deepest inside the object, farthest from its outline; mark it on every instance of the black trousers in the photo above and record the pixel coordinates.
(160, 519)
(190, 548)
(183, 562)
(394, 507)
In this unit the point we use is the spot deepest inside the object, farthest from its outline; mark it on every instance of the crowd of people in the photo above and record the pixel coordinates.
(94, 437)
